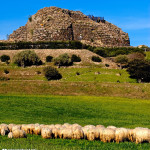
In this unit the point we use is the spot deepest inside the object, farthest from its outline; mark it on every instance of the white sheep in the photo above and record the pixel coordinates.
(108, 135)
(100, 129)
(78, 133)
(46, 133)
(142, 135)
(10, 127)
(37, 129)
(18, 134)
(4, 129)
(121, 135)
(91, 134)
(66, 133)
(10, 135)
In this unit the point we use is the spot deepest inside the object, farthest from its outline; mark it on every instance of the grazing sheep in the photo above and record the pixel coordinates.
(19, 133)
(24, 127)
(56, 132)
(100, 129)
(100, 126)
(46, 133)
(74, 126)
(111, 127)
(58, 125)
(10, 135)
(4, 129)
(66, 133)
(15, 127)
(37, 129)
(78, 133)
(91, 134)
(10, 126)
(142, 135)
(120, 135)
(108, 135)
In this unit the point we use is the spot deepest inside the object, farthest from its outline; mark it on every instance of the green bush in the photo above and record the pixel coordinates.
(6, 71)
(63, 60)
(136, 55)
(4, 78)
(96, 59)
(49, 58)
(122, 59)
(107, 65)
(75, 58)
(139, 70)
(51, 73)
(5, 58)
(27, 58)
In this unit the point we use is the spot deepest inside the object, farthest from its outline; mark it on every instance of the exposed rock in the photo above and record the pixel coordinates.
(52, 24)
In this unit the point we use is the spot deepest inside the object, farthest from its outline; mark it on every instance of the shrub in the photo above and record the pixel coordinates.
(139, 70)
(51, 73)
(4, 78)
(107, 65)
(6, 71)
(136, 55)
(96, 59)
(5, 58)
(75, 58)
(30, 18)
(27, 58)
(63, 60)
(49, 58)
(122, 59)
(38, 72)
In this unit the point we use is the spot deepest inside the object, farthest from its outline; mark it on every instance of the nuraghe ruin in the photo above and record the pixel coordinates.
(53, 24)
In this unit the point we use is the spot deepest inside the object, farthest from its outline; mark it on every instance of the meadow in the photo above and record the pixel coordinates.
(121, 112)
(96, 95)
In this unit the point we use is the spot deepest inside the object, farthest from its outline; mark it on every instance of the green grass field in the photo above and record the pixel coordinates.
(121, 112)
(148, 55)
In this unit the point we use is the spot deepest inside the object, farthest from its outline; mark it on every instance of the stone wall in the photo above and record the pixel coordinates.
(52, 24)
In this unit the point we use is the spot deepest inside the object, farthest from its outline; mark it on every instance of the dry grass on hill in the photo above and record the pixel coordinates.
(84, 54)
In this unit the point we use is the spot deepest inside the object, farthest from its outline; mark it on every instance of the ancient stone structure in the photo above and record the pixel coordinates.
(52, 24)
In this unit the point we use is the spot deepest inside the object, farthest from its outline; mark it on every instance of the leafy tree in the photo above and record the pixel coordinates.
(139, 70)
(96, 59)
(75, 58)
(5, 58)
(27, 58)
(136, 55)
(63, 60)
(51, 73)
(49, 58)
(122, 59)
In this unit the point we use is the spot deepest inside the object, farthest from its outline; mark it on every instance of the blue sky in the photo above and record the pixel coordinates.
(133, 16)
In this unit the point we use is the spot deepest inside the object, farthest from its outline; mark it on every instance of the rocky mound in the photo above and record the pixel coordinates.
(52, 24)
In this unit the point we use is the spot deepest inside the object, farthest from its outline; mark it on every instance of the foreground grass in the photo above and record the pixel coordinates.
(36, 142)
(121, 112)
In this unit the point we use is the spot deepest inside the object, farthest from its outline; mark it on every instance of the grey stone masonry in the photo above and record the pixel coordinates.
(53, 24)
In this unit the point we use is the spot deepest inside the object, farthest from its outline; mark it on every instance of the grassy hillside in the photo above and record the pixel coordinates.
(121, 112)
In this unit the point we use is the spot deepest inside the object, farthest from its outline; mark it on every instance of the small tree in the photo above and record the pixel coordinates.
(139, 70)
(5, 58)
(49, 58)
(63, 60)
(75, 58)
(51, 73)
(136, 55)
(96, 59)
(27, 58)
(122, 59)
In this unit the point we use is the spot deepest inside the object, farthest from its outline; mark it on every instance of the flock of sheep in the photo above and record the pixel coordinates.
(75, 131)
